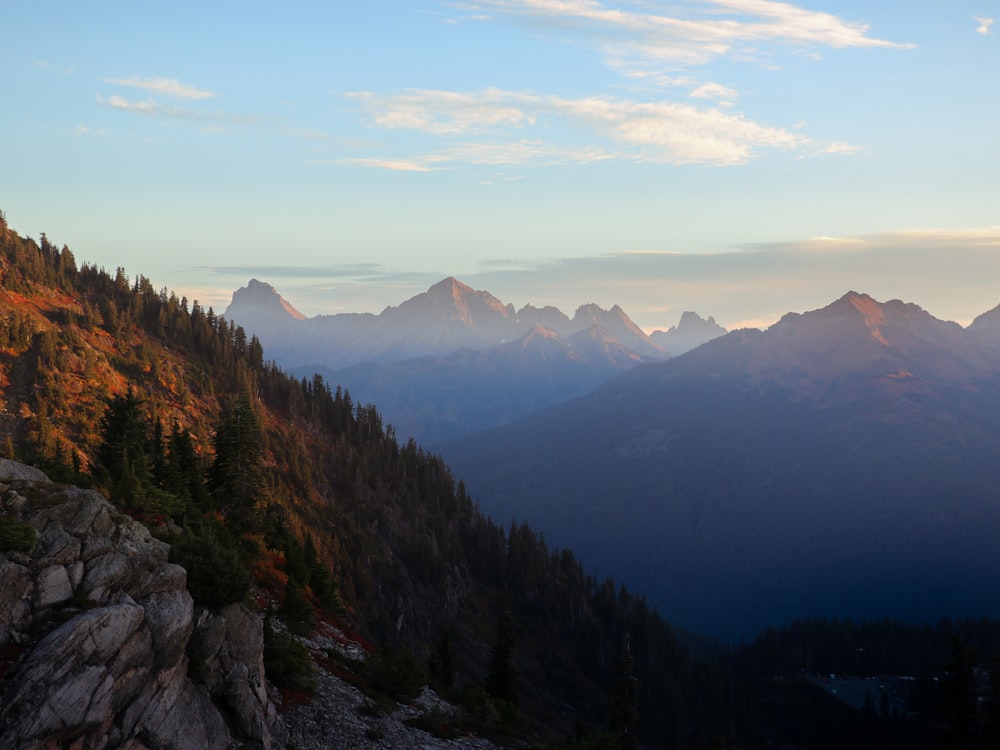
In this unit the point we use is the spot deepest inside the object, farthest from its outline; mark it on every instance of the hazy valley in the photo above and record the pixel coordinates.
(453, 360)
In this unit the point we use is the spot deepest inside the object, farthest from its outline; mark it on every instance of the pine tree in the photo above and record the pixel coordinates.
(504, 680)
(184, 475)
(624, 702)
(441, 667)
(121, 461)
(235, 479)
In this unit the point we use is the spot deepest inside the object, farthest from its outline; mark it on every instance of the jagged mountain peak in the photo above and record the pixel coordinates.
(450, 286)
(260, 298)
(460, 302)
(690, 332)
(892, 323)
(589, 310)
(592, 313)
(690, 319)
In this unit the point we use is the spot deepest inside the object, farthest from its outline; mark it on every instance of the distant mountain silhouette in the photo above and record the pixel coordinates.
(451, 360)
(691, 332)
(844, 462)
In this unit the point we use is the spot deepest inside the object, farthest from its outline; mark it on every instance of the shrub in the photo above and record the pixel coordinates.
(477, 705)
(297, 611)
(286, 661)
(16, 535)
(397, 672)
(216, 573)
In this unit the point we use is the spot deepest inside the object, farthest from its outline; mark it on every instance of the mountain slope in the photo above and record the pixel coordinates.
(437, 398)
(843, 462)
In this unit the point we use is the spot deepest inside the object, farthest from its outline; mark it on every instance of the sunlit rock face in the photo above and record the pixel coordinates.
(97, 630)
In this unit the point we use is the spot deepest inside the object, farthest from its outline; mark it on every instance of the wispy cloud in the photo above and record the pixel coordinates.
(363, 272)
(81, 131)
(164, 86)
(46, 65)
(656, 44)
(154, 109)
(524, 153)
(984, 25)
(725, 95)
(393, 165)
(445, 112)
(691, 33)
(654, 131)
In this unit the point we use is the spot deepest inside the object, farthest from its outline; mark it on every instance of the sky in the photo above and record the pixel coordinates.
(737, 158)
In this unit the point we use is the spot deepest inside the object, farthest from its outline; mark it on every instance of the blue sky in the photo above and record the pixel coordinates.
(740, 158)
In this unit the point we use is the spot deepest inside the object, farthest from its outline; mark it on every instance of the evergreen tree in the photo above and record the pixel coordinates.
(320, 580)
(624, 702)
(183, 474)
(235, 479)
(121, 461)
(504, 680)
(216, 571)
(442, 664)
(297, 610)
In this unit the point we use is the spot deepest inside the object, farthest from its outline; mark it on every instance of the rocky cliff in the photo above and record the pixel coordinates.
(101, 645)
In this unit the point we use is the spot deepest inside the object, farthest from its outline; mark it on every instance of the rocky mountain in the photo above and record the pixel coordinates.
(840, 463)
(691, 332)
(99, 635)
(453, 360)
(448, 317)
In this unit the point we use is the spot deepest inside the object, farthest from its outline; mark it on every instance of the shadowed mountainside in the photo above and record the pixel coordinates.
(841, 463)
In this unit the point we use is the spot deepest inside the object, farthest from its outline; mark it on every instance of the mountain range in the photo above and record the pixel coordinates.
(843, 462)
(454, 360)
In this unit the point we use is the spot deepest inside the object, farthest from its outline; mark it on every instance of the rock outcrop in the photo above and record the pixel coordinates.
(101, 645)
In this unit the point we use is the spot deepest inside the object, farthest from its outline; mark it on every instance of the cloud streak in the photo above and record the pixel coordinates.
(170, 87)
(984, 25)
(157, 110)
(650, 131)
(694, 33)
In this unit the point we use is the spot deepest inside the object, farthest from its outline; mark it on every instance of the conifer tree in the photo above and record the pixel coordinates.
(442, 666)
(121, 460)
(504, 680)
(235, 479)
(624, 702)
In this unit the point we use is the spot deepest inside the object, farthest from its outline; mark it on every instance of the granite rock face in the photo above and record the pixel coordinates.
(98, 631)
